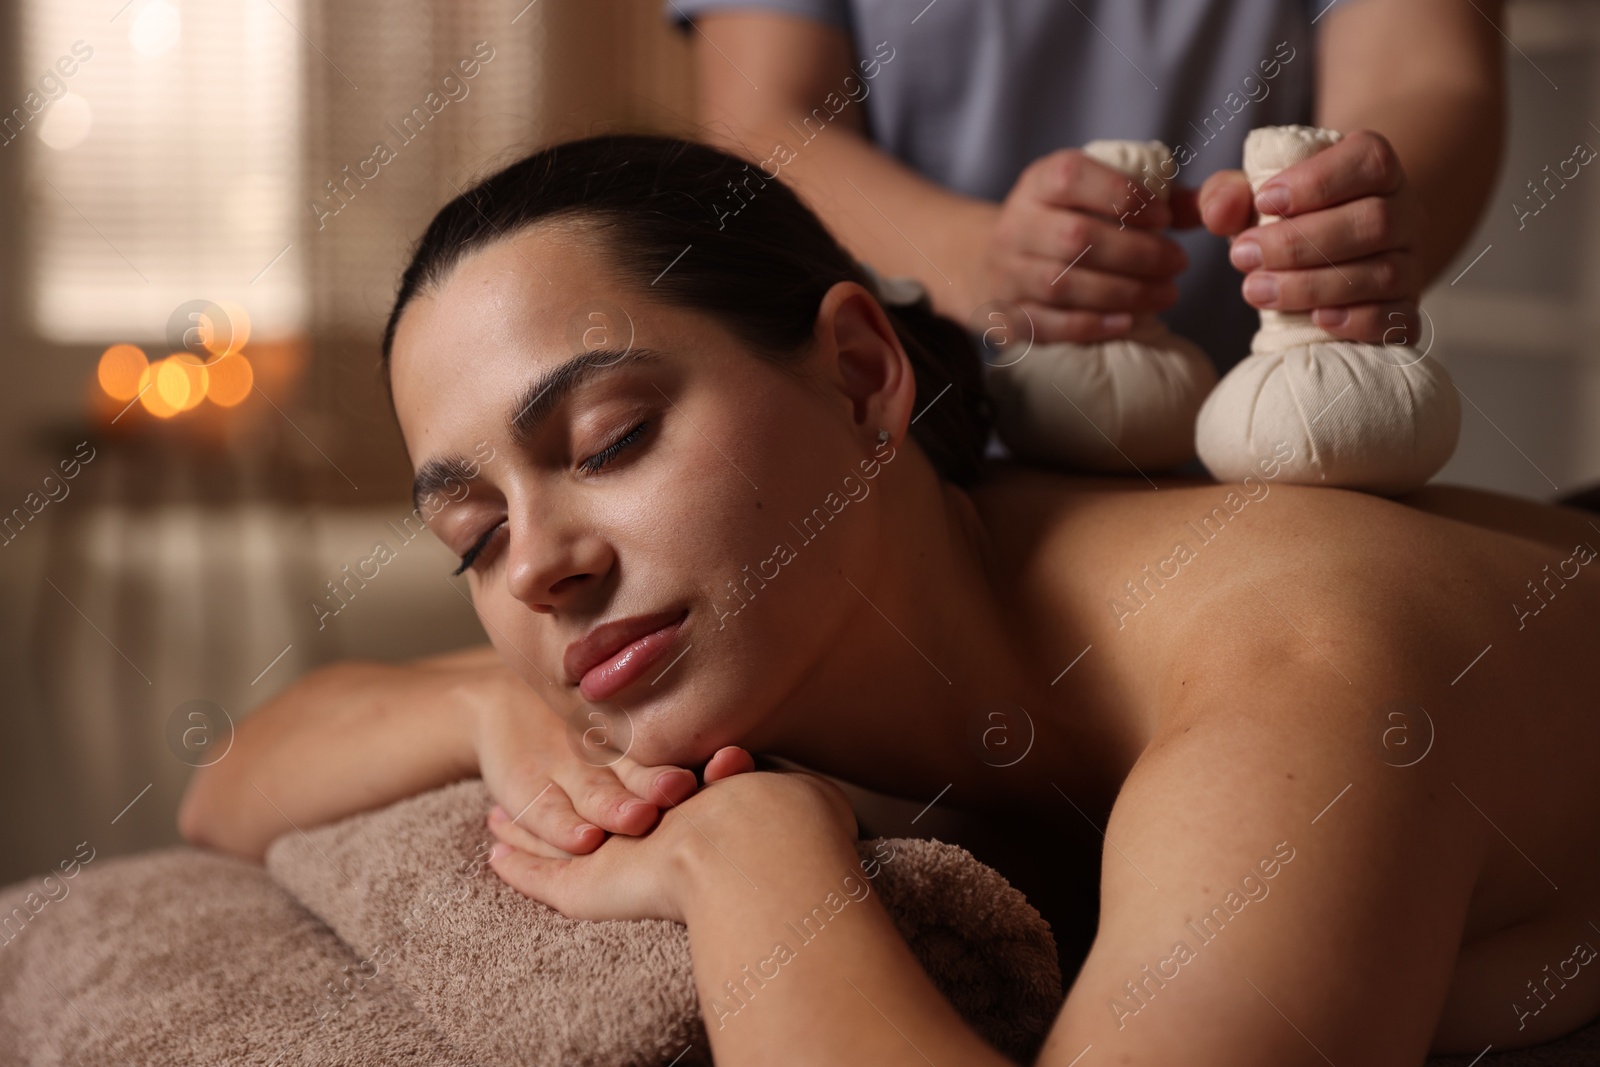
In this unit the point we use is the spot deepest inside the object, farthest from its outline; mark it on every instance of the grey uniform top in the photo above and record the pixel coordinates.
(969, 92)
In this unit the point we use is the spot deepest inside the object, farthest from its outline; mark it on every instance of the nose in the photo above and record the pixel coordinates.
(553, 559)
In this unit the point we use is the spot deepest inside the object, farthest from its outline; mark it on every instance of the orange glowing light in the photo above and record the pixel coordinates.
(230, 335)
(173, 384)
(121, 370)
(197, 380)
(231, 378)
(150, 398)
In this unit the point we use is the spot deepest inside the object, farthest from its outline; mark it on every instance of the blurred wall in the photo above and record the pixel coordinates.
(1517, 314)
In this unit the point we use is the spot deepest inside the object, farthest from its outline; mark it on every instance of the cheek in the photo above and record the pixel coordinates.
(752, 531)
(749, 509)
(516, 635)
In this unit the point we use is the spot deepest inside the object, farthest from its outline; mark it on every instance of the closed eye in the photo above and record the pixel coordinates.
(478, 546)
(594, 464)
(599, 460)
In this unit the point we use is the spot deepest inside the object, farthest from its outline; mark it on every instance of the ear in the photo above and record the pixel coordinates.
(864, 362)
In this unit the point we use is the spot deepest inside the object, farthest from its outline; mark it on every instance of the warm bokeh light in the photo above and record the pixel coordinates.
(151, 399)
(177, 383)
(231, 378)
(173, 384)
(232, 334)
(67, 123)
(122, 369)
(179, 386)
(196, 377)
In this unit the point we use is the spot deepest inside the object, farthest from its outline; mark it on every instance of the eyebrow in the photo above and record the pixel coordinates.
(533, 409)
(435, 475)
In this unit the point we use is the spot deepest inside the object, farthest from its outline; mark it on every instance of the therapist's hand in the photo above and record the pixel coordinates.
(1079, 251)
(1347, 247)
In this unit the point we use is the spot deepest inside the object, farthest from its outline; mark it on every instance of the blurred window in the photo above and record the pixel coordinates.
(163, 159)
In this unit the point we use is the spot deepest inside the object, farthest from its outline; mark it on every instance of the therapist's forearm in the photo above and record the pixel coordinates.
(883, 211)
(1442, 108)
(853, 993)
(1449, 145)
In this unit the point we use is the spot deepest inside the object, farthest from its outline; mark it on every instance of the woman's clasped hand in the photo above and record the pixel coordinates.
(740, 823)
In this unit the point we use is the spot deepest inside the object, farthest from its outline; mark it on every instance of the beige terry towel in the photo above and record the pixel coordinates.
(185, 957)
(512, 982)
(383, 939)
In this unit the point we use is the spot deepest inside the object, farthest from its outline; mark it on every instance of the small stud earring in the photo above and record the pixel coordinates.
(883, 437)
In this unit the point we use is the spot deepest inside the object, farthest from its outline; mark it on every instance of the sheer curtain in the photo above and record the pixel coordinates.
(163, 163)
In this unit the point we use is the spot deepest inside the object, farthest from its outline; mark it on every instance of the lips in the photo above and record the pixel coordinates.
(606, 641)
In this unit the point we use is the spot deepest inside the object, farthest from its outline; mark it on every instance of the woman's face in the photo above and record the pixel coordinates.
(687, 476)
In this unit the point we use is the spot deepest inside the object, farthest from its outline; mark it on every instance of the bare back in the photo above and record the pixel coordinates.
(1457, 633)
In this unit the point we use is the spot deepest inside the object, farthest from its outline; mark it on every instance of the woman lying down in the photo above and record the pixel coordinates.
(751, 519)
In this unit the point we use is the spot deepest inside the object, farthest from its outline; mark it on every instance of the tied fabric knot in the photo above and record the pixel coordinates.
(1267, 152)
(899, 291)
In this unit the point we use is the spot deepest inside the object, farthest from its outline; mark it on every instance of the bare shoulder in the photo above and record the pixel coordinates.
(1555, 525)
(1169, 567)
(474, 656)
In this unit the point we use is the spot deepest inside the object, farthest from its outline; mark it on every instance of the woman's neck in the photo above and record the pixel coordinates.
(933, 682)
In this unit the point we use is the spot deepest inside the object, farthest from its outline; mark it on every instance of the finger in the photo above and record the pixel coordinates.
(1360, 164)
(1068, 178)
(1185, 205)
(603, 796)
(663, 786)
(578, 888)
(1079, 240)
(1391, 323)
(1351, 230)
(1046, 282)
(727, 762)
(503, 829)
(531, 875)
(1051, 324)
(1374, 279)
(1225, 203)
(550, 816)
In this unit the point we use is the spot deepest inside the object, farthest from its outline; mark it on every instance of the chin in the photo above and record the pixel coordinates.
(683, 730)
(660, 740)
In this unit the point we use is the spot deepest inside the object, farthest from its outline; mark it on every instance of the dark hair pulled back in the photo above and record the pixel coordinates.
(758, 261)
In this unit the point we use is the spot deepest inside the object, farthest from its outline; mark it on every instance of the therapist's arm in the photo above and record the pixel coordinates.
(1375, 218)
(760, 75)
(1442, 107)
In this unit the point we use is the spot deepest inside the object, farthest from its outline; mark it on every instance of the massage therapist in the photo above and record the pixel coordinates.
(937, 139)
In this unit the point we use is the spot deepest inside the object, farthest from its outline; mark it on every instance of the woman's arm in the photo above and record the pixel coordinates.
(353, 737)
(347, 738)
(852, 993)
